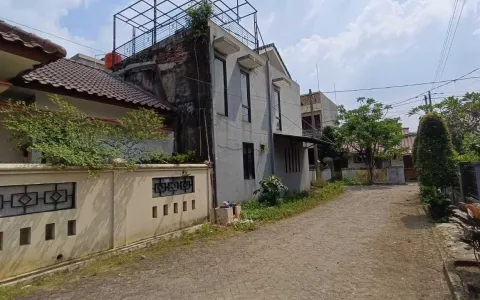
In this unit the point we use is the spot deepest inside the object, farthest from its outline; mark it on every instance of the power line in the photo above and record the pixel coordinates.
(51, 34)
(463, 77)
(453, 38)
(445, 42)
(402, 86)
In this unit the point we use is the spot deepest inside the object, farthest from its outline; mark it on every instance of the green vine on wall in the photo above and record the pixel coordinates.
(67, 137)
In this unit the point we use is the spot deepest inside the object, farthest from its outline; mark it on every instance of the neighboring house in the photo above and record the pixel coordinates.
(405, 161)
(324, 110)
(325, 114)
(31, 68)
(237, 103)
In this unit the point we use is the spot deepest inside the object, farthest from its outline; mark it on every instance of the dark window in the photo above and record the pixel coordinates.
(193, 204)
(25, 236)
(278, 109)
(357, 159)
(184, 205)
(221, 86)
(306, 123)
(72, 227)
(154, 212)
(165, 210)
(49, 232)
(292, 160)
(318, 121)
(1, 241)
(248, 161)
(175, 208)
(246, 109)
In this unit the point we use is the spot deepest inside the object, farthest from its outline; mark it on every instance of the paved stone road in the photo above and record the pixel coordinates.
(373, 243)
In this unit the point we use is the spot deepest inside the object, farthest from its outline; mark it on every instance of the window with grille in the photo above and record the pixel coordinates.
(278, 109)
(221, 95)
(246, 109)
(292, 160)
(248, 161)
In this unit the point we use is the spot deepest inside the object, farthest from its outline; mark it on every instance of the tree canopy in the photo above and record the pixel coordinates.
(462, 116)
(368, 132)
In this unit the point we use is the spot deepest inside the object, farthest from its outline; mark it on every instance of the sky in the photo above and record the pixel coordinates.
(352, 43)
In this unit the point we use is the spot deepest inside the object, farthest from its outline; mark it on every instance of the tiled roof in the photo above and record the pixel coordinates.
(66, 76)
(22, 38)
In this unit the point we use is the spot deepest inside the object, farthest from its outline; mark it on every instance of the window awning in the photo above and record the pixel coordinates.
(296, 138)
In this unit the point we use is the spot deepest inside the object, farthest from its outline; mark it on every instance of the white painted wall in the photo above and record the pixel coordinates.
(231, 131)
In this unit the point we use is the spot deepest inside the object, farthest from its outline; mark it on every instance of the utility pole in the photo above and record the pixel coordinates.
(430, 100)
(315, 146)
(425, 98)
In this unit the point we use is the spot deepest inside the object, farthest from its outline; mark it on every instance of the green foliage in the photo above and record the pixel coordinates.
(319, 183)
(471, 143)
(270, 190)
(198, 19)
(435, 158)
(368, 132)
(68, 137)
(462, 115)
(328, 146)
(161, 158)
(435, 202)
(288, 207)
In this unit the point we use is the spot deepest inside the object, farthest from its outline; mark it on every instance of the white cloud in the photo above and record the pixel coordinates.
(384, 27)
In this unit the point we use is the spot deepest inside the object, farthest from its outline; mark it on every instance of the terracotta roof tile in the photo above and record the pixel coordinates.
(70, 75)
(12, 34)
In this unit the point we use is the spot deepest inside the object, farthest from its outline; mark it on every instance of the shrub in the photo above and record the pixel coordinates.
(162, 158)
(319, 183)
(270, 190)
(435, 153)
(435, 202)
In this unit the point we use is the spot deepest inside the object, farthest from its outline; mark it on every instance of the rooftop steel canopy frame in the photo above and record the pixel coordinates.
(152, 21)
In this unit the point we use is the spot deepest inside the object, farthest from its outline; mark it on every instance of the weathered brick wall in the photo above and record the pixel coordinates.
(178, 70)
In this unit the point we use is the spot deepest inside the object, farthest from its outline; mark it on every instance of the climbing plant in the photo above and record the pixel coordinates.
(197, 19)
(68, 137)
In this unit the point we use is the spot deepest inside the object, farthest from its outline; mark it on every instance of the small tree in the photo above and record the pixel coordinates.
(435, 156)
(367, 131)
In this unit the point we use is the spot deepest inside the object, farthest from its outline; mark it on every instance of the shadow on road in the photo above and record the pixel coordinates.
(416, 222)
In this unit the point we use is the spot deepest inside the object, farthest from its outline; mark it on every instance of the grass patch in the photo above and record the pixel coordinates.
(292, 204)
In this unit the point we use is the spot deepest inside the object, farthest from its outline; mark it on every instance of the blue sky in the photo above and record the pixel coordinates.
(355, 43)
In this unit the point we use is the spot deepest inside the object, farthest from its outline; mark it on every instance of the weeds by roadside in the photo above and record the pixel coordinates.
(293, 205)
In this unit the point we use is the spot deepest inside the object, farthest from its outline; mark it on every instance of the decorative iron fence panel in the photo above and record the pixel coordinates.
(16, 200)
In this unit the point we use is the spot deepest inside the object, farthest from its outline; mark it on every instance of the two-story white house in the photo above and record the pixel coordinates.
(257, 119)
